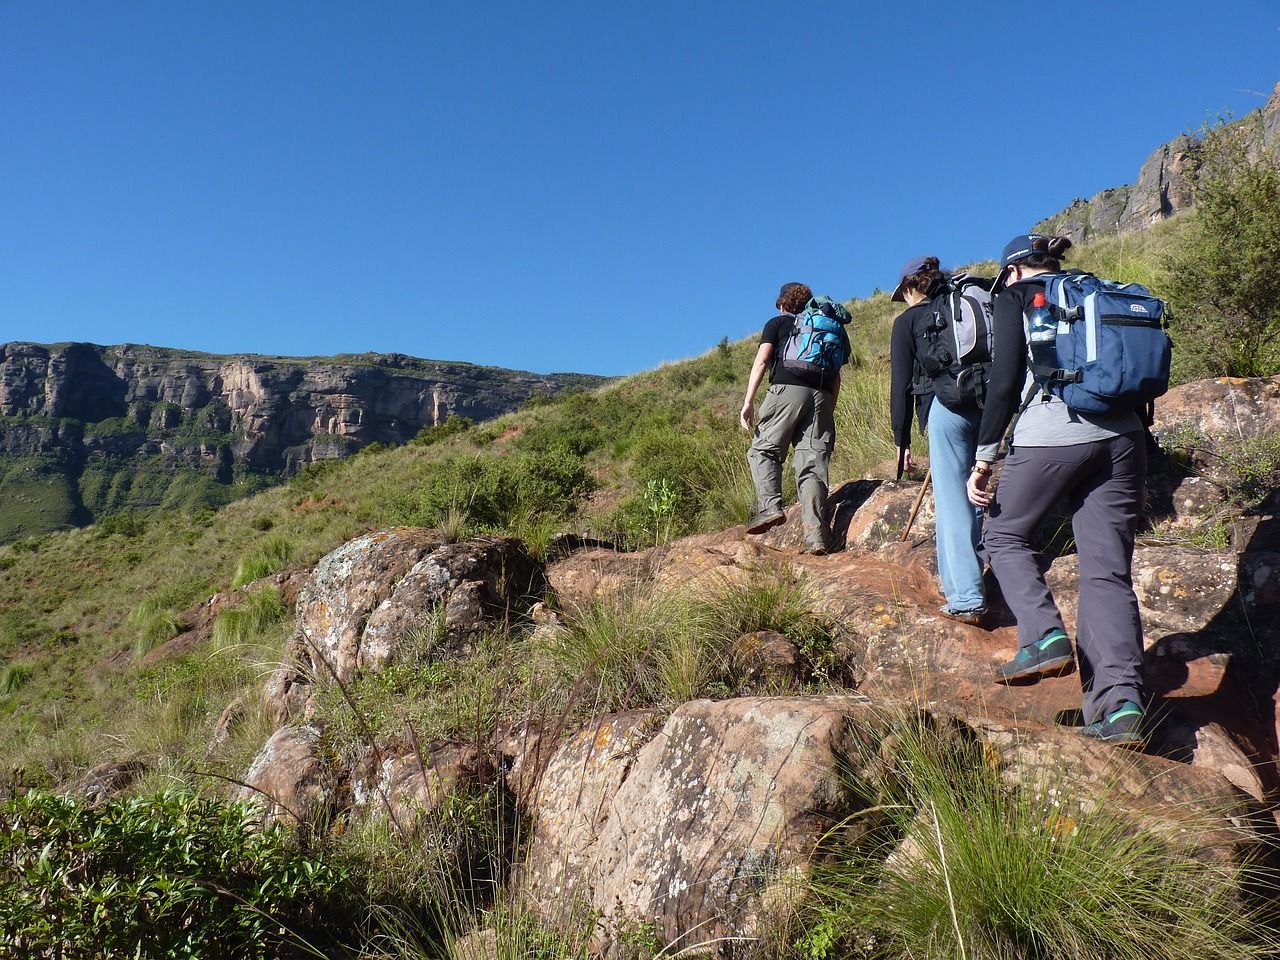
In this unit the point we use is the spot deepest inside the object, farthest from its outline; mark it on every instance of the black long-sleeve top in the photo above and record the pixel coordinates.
(902, 363)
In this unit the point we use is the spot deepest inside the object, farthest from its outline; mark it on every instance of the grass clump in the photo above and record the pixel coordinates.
(250, 619)
(271, 555)
(954, 862)
(155, 622)
(14, 677)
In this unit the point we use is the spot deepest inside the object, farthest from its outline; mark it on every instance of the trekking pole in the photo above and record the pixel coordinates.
(924, 487)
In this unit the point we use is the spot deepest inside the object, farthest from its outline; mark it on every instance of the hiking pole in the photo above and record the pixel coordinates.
(924, 487)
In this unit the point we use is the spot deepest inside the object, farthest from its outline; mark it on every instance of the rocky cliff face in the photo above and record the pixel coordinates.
(125, 408)
(1165, 183)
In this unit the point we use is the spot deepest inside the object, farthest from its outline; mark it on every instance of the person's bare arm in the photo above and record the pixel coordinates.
(763, 356)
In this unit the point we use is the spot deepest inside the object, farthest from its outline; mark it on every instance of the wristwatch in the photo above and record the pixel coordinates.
(982, 468)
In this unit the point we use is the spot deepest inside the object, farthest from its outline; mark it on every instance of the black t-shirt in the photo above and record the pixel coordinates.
(908, 330)
(776, 332)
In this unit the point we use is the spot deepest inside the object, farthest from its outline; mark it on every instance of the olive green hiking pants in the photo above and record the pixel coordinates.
(803, 418)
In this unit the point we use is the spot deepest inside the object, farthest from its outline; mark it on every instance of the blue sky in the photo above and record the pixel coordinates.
(556, 186)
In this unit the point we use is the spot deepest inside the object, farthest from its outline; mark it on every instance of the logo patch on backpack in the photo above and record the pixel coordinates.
(1111, 351)
(817, 342)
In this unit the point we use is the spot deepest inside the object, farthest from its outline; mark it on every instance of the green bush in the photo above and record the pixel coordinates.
(451, 426)
(270, 555)
(1223, 282)
(495, 493)
(952, 862)
(172, 875)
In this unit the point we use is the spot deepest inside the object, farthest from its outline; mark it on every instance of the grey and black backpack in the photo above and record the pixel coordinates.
(953, 350)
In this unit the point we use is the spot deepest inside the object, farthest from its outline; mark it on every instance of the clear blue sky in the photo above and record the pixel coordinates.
(562, 185)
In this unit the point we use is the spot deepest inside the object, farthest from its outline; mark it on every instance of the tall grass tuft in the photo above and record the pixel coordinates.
(963, 865)
(14, 677)
(247, 621)
(271, 555)
(155, 623)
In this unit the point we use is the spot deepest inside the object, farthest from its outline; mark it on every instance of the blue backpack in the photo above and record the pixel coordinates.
(1111, 350)
(818, 342)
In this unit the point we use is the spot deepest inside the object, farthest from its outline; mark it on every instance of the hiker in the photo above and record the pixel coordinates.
(1095, 461)
(947, 394)
(803, 349)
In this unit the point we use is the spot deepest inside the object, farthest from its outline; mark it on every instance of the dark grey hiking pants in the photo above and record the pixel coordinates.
(801, 417)
(1103, 482)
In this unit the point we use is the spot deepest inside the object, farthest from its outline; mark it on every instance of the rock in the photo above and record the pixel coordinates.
(571, 801)
(695, 830)
(230, 716)
(477, 945)
(864, 515)
(107, 779)
(595, 573)
(1209, 745)
(347, 586)
(767, 662)
(287, 692)
(291, 779)
(467, 586)
(410, 787)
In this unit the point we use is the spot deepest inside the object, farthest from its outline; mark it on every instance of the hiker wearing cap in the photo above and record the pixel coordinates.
(803, 349)
(1094, 461)
(924, 352)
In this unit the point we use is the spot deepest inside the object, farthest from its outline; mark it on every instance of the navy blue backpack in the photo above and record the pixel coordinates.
(1111, 350)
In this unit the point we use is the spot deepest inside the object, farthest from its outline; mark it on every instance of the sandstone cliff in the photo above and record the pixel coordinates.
(1165, 184)
(71, 413)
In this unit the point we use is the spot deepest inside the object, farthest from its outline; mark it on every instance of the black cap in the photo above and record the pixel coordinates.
(909, 269)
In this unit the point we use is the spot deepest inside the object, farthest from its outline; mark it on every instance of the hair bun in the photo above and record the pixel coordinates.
(1058, 246)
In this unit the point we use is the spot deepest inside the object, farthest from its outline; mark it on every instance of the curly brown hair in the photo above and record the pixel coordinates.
(794, 297)
(926, 279)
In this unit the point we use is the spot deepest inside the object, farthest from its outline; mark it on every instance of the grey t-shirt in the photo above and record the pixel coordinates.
(1045, 423)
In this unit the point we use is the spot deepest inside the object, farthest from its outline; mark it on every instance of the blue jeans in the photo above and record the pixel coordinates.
(953, 443)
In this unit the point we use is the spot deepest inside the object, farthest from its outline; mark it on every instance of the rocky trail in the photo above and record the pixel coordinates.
(698, 819)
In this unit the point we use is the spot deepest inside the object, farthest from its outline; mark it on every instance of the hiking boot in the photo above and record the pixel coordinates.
(1124, 726)
(765, 519)
(1050, 656)
(816, 549)
(972, 617)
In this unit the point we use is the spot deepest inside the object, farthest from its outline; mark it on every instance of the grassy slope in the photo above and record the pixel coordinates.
(65, 598)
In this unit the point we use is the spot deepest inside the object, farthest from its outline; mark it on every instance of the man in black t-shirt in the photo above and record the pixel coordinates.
(799, 411)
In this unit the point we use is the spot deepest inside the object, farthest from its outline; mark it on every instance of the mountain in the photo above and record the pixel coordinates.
(1165, 184)
(87, 431)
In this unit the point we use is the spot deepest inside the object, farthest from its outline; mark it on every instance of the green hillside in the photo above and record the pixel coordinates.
(650, 457)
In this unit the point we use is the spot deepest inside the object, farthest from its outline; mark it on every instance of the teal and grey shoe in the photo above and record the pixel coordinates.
(1122, 726)
(1050, 656)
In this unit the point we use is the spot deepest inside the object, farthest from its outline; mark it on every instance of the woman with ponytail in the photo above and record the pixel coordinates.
(952, 431)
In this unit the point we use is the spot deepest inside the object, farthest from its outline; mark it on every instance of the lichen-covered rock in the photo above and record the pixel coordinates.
(767, 662)
(290, 777)
(695, 830)
(464, 586)
(348, 585)
(409, 786)
(595, 573)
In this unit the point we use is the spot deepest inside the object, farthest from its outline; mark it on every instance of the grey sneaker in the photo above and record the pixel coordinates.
(1123, 726)
(816, 549)
(765, 520)
(972, 617)
(1050, 656)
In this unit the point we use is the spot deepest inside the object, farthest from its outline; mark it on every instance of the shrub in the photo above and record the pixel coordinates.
(126, 524)
(248, 620)
(451, 426)
(955, 863)
(272, 554)
(170, 875)
(494, 493)
(1223, 281)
